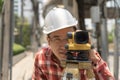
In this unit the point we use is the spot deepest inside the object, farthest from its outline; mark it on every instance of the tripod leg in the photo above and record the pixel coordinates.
(69, 76)
(71, 71)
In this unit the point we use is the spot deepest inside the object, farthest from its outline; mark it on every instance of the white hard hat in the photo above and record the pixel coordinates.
(58, 18)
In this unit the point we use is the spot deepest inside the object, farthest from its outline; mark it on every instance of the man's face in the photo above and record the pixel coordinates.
(57, 41)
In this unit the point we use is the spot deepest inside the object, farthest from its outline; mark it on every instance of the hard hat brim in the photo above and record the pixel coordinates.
(62, 27)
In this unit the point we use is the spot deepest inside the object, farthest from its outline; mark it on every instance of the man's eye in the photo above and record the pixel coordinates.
(57, 39)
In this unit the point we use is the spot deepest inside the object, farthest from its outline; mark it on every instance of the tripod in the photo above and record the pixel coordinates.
(72, 69)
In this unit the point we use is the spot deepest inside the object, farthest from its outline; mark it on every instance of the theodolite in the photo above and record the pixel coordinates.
(78, 48)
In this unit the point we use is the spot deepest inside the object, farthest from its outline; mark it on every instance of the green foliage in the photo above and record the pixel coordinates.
(110, 38)
(26, 35)
(25, 31)
(1, 5)
(17, 48)
(111, 35)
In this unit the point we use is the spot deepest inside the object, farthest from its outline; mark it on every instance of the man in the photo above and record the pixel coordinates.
(47, 61)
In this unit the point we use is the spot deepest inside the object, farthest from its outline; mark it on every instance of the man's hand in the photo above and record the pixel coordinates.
(94, 56)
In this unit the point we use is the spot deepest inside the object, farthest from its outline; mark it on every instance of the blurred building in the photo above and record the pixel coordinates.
(27, 9)
(17, 7)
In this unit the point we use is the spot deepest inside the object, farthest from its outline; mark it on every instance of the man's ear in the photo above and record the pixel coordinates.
(48, 40)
